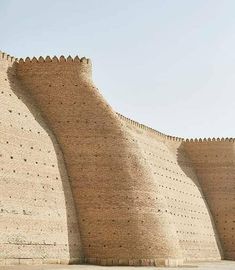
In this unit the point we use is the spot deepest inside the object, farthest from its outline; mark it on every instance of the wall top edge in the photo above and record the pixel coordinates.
(173, 138)
(41, 59)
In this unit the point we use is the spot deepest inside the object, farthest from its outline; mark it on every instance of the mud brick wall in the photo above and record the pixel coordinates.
(186, 208)
(82, 183)
(214, 162)
(116, 198)
(37, 216)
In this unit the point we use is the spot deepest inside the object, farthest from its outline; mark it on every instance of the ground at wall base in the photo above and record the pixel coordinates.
(221, 265)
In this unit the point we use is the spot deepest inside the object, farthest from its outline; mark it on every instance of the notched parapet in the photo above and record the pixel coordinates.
(48, 59)
(54, 67)
(210, 140)
(132, 122)
(7, 57)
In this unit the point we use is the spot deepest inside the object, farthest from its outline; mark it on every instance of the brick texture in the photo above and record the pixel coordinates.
(37, 215)
(126, 194)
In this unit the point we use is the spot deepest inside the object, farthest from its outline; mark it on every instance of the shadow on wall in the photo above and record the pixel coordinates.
(75, 251)
(186, 165)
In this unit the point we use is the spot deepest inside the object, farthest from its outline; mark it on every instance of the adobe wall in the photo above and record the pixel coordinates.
(123, 214)
(118, 193)
(177, 182)
(38, 222)
(214, 162)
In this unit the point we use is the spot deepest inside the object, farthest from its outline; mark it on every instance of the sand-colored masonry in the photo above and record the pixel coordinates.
(123, 193)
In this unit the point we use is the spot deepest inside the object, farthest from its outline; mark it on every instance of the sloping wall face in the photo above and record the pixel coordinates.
(37, 215)
(120, 194)
(123, 213)
(177, 183)
(214, 162)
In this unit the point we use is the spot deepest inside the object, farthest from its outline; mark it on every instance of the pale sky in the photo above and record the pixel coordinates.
(169, 64)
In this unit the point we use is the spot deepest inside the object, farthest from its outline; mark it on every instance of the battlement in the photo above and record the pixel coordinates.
(141, 126)
(208, 140)
(55, 59)
(173, 138)
(61, 59)
(7, 57)
(87, 61)
(68, 152)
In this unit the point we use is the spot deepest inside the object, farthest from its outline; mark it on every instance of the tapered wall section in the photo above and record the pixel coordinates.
(37, 215)
(129, 195)
(177, 183)
(123, 214)
(214, 162)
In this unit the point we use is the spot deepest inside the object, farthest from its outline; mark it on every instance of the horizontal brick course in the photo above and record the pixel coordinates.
(100, 188)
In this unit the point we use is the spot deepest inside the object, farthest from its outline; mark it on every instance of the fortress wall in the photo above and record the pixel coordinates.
(34, 225)
(214, 162)
(177, 182)
(123, 213)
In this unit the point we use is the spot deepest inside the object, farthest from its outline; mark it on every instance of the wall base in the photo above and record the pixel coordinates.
(29, 261)
(135, 262)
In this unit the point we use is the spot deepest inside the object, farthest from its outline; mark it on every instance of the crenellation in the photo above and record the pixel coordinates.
(98, 187)
(47, 59)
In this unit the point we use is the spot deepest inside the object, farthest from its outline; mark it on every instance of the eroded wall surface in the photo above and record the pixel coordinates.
(38, 221)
